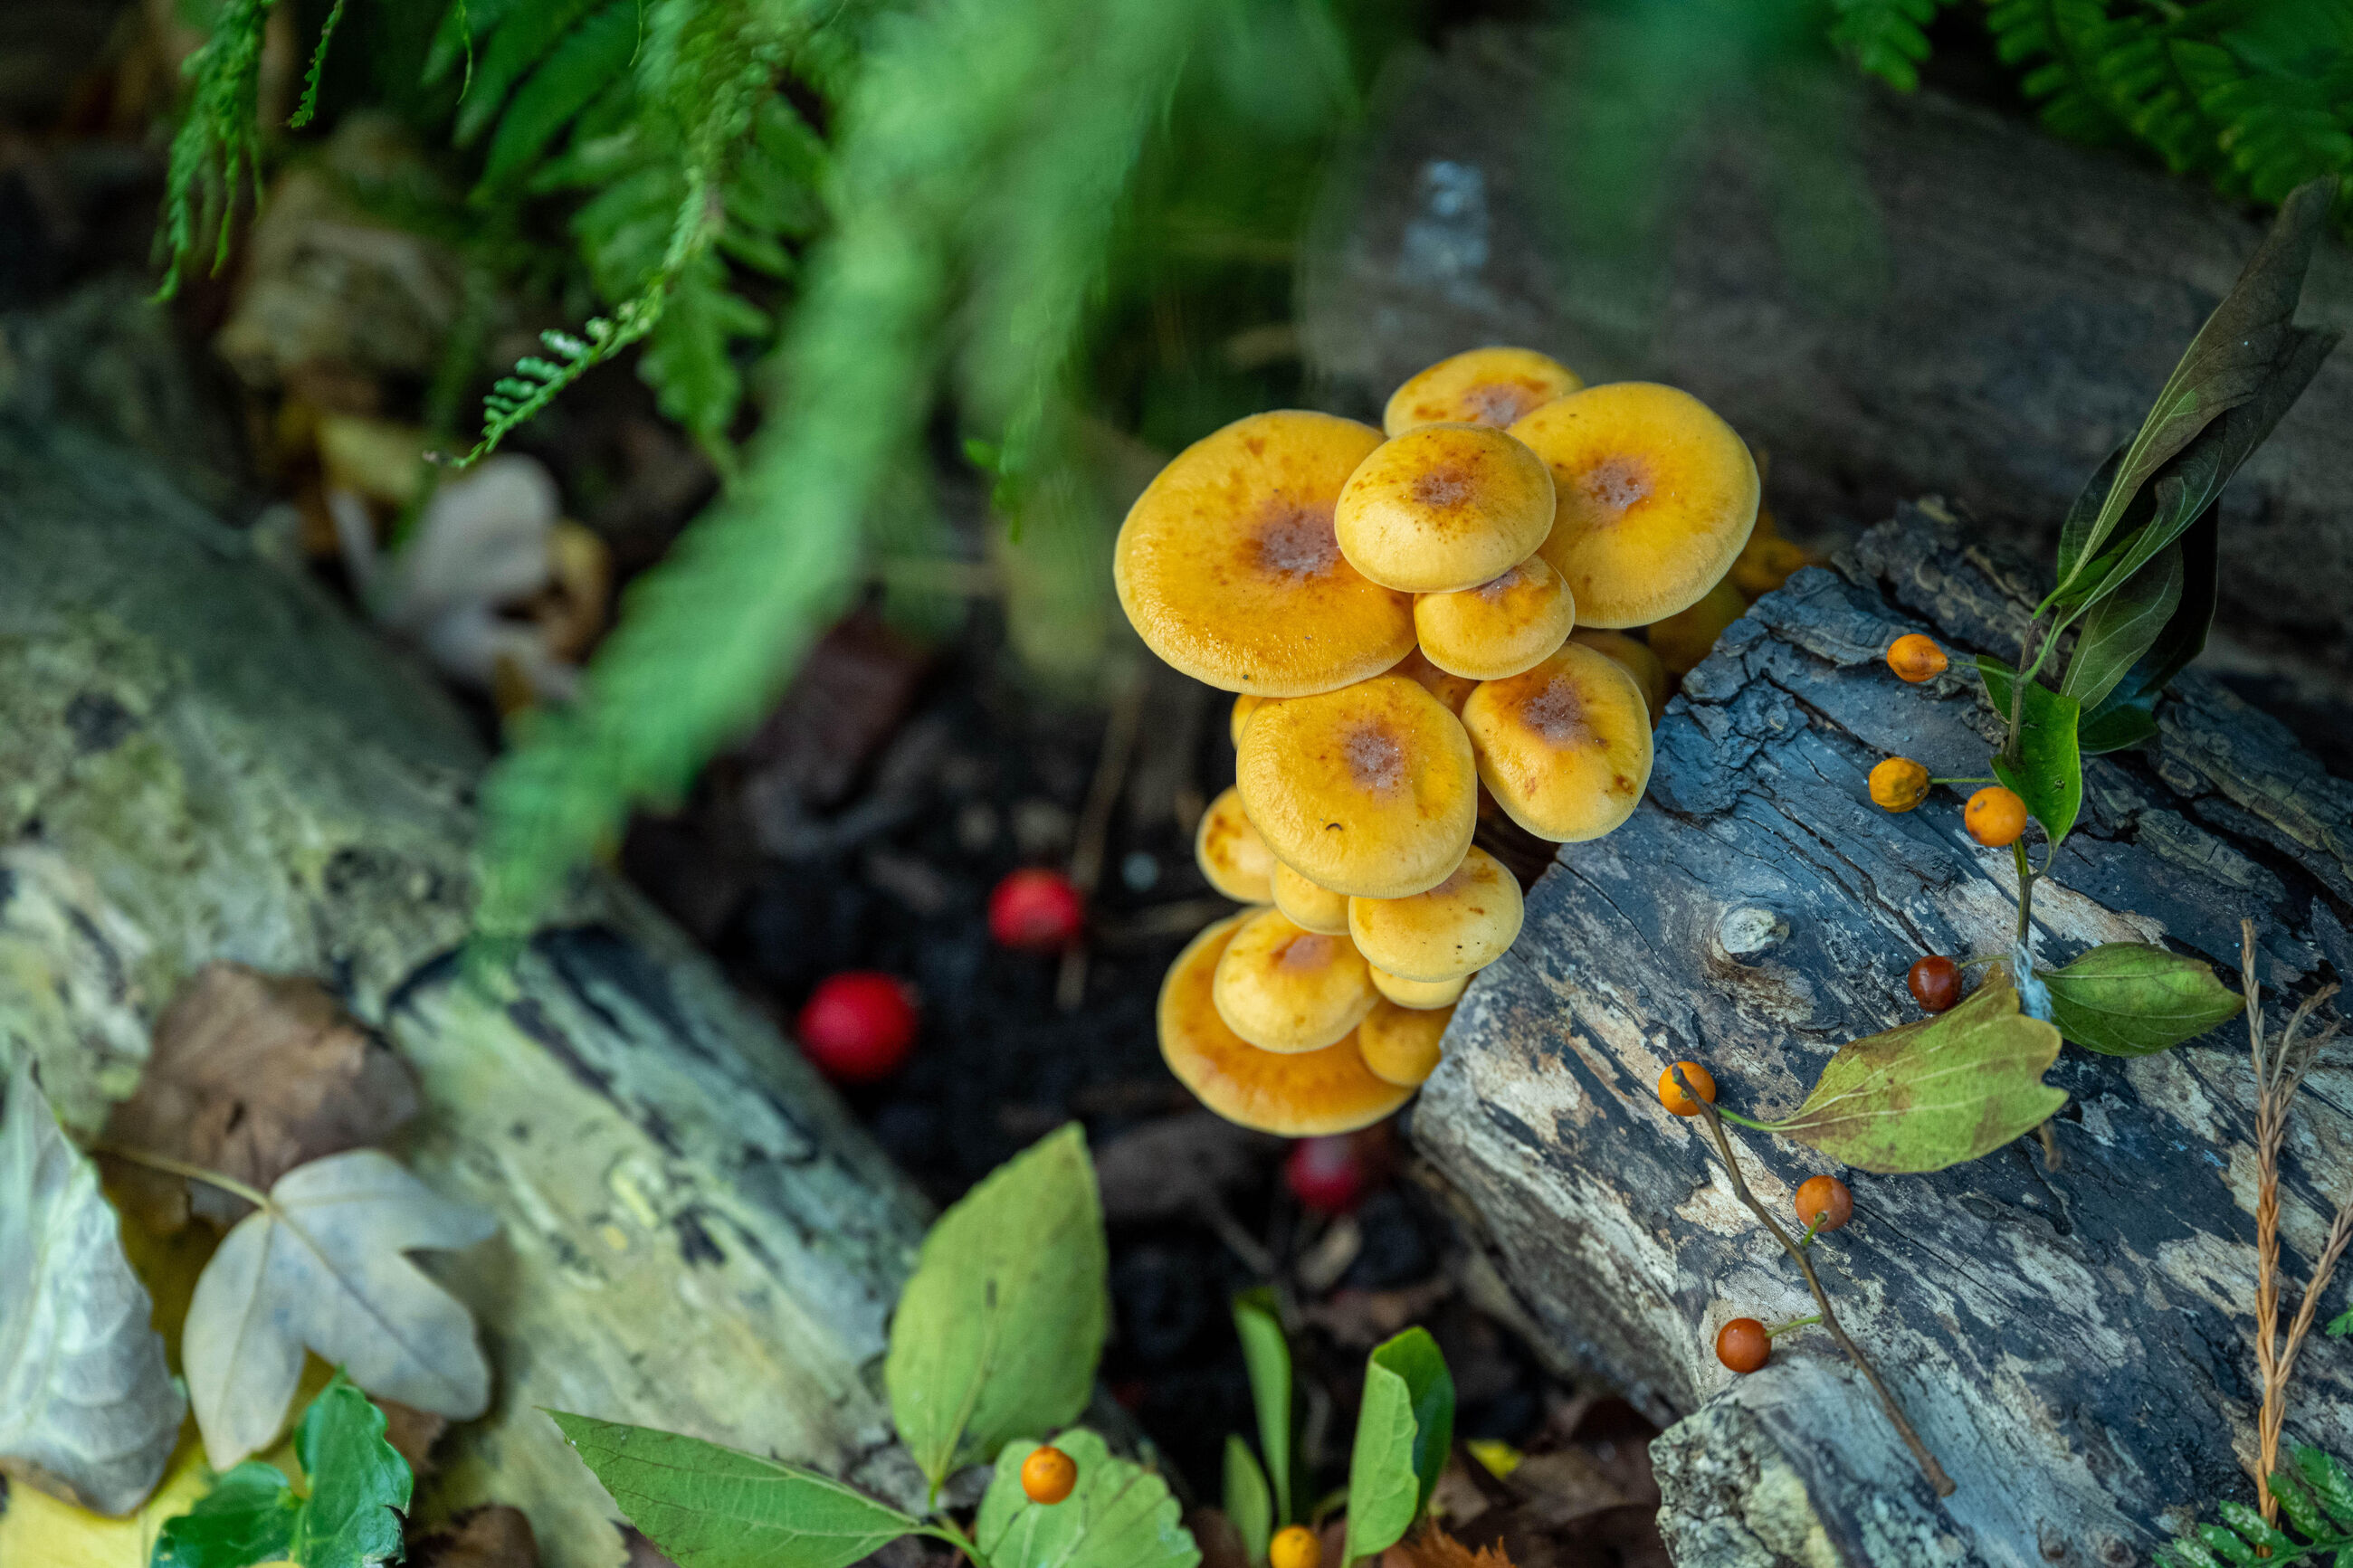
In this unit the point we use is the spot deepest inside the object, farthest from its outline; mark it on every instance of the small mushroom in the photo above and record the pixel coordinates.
(1444, 507)
(1310, 904)
(1484, 386)
(1452, 689)
(1498, 629)
(1634, 657)
(1370, 791)
(1566, 747)
(1284, 988)
(1458, 927)
(1233, 859)
(1654, 497)
(1304, 1095)
(1229, 568)
(1687, 636)
(1418, 993)
(1400, 1045)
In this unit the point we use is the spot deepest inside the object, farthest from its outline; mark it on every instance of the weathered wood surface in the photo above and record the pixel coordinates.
(2008, 320)
(202, 758)
(2073, 1343)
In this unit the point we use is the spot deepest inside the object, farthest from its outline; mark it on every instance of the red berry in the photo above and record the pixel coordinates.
(1743, 1345)
(1935, 983)
(1327, 1175)
(1036, 909)
(857, 1025)
(1825, 1197)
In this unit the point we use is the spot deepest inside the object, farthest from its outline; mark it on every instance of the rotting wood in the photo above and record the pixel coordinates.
(2074, 1344)
(201, 757)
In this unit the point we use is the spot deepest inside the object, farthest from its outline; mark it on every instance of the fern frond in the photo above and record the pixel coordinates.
(217, 146)
(2316, 1494)
(308, 109)
(518, 398)
(951, 103)
(1887, 37)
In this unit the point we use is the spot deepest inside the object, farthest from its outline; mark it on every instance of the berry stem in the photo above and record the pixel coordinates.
(944, 1529)
(1965, 780)
(1938, 1479)
(1732, 1116)
(1777, 1329)
(1813, 1227)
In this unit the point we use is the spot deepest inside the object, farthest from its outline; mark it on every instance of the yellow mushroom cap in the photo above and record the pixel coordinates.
(1400, 1044)
(1244, 706)
(1484, 386)
(1310, 905)
(1418, 993)
(1566, 747)
(1653, 498)
(1444, 507)
(1689, 636)
(1370, 791)
(1461, 926)
(1229, 568)
(1284, 988)
(1230, 853)
(1452, 689)
(1498, 629)
(1305, 1095)
(1633, 656)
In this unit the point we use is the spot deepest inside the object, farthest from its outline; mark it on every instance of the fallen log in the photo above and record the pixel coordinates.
(1992, 314)
(2072, 1339)
(201, 757)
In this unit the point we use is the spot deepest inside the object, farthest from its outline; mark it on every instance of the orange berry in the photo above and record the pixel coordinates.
(1743, 1345)
(1294, 1546)
(1048, 1475)
(1915, 658)
(1672, 1095)
(1995, 816)
(1899, 783)
(1824, 1199)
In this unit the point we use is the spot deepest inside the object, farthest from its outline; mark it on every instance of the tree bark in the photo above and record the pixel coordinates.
(202, 758)
(1976, 310)
(2073, 1341)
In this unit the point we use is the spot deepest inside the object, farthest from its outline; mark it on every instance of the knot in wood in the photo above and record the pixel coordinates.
(1749, 930)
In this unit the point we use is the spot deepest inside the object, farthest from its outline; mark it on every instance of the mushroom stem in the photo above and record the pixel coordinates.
(1938, 1479)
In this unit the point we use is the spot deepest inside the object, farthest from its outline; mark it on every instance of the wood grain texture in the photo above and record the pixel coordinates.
(1961, 307)
(201, 757)
(2073, 1343)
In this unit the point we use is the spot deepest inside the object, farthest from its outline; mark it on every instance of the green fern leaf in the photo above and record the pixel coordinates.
(217, 145)
(2316, 1499)
(687, 361)
(518, 42)
(309, 107)
(1887, 37)
(586, 63)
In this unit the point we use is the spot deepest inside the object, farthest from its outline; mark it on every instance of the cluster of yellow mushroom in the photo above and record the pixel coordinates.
(1421, 623)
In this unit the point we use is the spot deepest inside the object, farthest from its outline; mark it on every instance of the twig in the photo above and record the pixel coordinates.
(2279, 1071)
(1095, 825)
(1938, 1479)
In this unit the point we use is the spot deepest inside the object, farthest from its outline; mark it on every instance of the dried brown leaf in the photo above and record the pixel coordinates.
(492, 1536)
(252, 1075)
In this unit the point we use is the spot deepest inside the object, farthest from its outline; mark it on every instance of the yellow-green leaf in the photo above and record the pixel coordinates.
(2130, 999)
(1934, 1093)
(1118, 1515)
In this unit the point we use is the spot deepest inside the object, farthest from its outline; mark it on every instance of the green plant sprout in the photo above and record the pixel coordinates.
(348, 1515)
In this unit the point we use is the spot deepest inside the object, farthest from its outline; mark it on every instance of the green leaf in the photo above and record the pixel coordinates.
(1267, 1355)
(2328, 1481)
(2225, 1544)
(2122, 627)
(1382, 1486)
(2117, 727)
(2250, 1524)
(1936, 1092)
(2340, 1325)
(588, 60)
(1414, 1356)
(247, 1518)
(687, 361)
(2227, 362)
(2296, 1501)
(2131, 999)
(358, 1483)
(999, 1332)
(359, 1488)
(2049, 773)
(1119, 1515)
(2084, 511)
(1247, 1503)
(709, 1506)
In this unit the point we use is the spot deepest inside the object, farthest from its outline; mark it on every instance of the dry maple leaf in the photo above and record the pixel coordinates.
(86, 1406)
(1433, 1548)
(322, 1268)
(252, 1075)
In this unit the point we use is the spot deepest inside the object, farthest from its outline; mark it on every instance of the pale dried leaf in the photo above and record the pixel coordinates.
(86, 1406)
(322, 1268)
(252, 1075)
